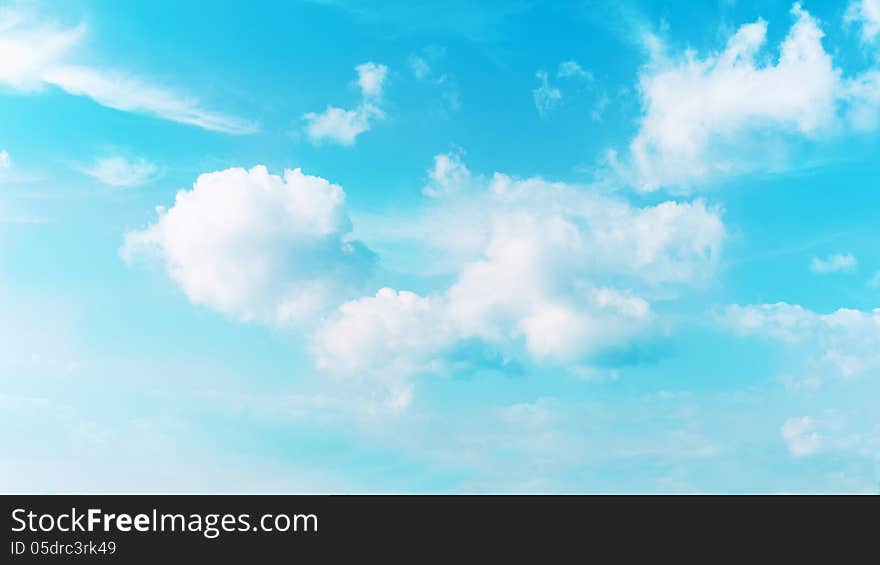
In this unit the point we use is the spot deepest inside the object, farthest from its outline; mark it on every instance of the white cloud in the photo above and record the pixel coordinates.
(837, 263)
(802, 437)
(371, 79)
(256, 246)
(787, 322)
(37, 55)
(122, 172)
(546, 96)
(703, 115)
(131, 94)
(342, 126)
(844, 343)
(546, 272)
(385, 338)
(865, 13)
(5, 160)
(448, 176)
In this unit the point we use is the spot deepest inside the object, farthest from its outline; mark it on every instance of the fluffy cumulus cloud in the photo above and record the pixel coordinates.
(837, 263)
(5, 160)
(256, 246)
(549, 274)
(385, 338)
(371, 79)
(545, 273)
(39, 54)
(844, 343)
(342, 126)
(696, 108)
(122, 172)
(737, 110)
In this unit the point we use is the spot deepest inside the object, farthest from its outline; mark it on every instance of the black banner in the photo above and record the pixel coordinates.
(414, 529)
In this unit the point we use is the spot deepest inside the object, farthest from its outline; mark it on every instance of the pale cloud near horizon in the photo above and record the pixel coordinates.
(342, 126)
(40, 54)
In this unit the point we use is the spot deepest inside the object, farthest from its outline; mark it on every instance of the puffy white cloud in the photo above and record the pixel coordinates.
(5, 160)
(837, 263)
(547, 272)
(386, 338)
(36, 55)
(371, 79)
(122, 172)
(256, 246)
(865, 13)
(844, 343)
(703, 116)
(802, 437)
(342, 126)
(449, 176)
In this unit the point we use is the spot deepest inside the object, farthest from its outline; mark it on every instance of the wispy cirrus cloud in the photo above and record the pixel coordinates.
(423, 66)
(39, 54)
(548, 95)
(121, 172)
(836, 263)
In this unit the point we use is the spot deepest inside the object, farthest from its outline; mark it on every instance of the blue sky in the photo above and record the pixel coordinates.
(332, 246)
